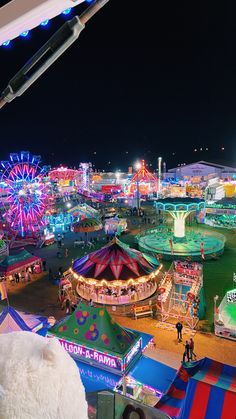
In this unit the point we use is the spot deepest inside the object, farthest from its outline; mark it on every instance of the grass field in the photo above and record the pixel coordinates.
(218, 274)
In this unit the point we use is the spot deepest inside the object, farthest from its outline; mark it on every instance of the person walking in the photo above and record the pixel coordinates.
(66, 252)
(179, 328)
(67, 306)
(191, 348)
(186, 351)
(44, 265)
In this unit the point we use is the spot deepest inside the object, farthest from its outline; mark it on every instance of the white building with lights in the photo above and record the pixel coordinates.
(203, 170)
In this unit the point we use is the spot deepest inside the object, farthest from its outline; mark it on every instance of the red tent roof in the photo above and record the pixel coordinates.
(17, 262)
(116, 261)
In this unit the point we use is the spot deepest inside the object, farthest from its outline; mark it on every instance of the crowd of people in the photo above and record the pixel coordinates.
(24, 275)
(119, 295)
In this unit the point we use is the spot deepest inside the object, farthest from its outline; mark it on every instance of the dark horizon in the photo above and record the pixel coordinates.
(148, 84)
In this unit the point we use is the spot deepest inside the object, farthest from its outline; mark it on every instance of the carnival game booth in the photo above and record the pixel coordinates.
(90, 335)
(180, 293)
(205, 389)
(115, 225)
(12, 320)
(115, 274)
(19, 261)
(225, 316)
(83, 211)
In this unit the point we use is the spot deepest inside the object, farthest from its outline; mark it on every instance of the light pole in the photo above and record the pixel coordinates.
(159, 174)
(138, 166)
(117, 183)
(215, 301)
(117, 178)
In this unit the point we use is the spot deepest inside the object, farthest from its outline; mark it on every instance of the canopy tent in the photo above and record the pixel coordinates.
(90, 333)
(12, 320)
(205, 389)
(83, 210)
(153, 374)
(94, 379)
(113, 262)
(17, 261)
(87, 225)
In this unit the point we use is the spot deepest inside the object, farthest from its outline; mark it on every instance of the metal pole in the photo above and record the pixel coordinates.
(48, 54)
(138, 199)
(159, 173)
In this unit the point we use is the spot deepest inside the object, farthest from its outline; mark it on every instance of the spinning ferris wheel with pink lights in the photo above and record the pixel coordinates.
(26, 193)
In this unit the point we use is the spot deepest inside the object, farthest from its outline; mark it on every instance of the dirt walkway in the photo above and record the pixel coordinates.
(169, 351)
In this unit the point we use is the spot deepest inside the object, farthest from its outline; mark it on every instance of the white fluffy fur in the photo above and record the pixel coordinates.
(38, 379)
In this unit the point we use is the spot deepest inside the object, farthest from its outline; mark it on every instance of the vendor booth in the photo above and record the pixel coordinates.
(91, 336)
(225, 316)
(180, 293)
(19, 261)
(115, 225)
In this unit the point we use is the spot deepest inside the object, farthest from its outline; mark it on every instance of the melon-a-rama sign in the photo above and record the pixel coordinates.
(102, 359)
(91, 355)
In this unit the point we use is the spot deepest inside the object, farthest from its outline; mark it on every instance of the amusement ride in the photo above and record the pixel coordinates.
(26, 193)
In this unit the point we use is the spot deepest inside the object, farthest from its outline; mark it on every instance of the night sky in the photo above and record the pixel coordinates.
(138, 83)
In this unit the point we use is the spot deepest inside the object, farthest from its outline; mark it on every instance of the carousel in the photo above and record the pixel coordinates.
(115, 274)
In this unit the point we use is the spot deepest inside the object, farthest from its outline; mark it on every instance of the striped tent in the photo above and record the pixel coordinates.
(115, 261)
(16, 321)
(202, 390)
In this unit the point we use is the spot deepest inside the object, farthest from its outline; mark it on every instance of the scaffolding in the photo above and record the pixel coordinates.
(178, 293)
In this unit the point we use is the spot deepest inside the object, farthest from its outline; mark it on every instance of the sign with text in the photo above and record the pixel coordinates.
(91, 355)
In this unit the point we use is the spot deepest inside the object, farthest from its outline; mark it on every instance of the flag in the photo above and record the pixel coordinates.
(3, 291)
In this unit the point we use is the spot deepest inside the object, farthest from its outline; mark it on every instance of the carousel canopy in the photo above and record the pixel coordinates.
(87, 225)
(94, 327)
(115, 261)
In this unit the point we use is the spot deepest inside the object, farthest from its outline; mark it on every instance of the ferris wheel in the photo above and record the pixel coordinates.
(26, 193)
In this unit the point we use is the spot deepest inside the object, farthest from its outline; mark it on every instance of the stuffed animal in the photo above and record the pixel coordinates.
(38, 379)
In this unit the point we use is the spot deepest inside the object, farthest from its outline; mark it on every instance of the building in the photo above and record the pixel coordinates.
(203, 170)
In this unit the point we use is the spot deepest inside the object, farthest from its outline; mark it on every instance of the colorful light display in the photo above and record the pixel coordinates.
(26, 193)
(92, 336)
(143, 180)
(179, 209)
(63, 174)
(86, 354)
(86, 173)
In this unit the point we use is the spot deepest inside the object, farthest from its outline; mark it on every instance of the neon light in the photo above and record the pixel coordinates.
(67, 11)
(231, 296)
(26, 193)
(131, 354)
(24, 34)
(45, 22)
(6, 43)
(91, 355)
